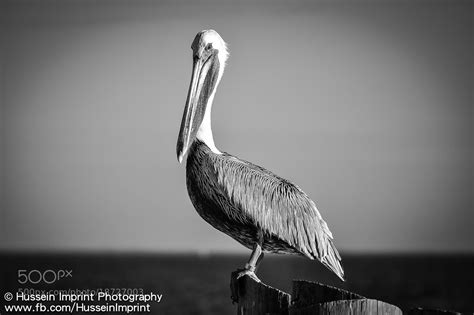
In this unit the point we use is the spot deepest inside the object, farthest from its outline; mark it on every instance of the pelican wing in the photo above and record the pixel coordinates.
(279, 208)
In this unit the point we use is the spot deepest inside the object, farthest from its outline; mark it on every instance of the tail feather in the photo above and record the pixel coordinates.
(332, 260)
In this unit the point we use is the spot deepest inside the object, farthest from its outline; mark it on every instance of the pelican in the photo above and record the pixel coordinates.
(260, 210)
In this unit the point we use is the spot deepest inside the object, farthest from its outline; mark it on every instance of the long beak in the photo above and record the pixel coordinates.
(203, 81)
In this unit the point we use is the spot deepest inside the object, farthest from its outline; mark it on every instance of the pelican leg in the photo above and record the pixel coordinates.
(260, 258)
(250, 267)
(255, 258)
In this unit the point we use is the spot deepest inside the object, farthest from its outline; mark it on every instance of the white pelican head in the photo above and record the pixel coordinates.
(209, 56)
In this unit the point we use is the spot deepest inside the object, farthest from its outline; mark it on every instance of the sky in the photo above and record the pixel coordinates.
(367, 106)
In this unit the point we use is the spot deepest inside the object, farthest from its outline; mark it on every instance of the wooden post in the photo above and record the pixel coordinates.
(421, 311)
(256, 298)
(316, 298)
(306, 293)
(308, 298)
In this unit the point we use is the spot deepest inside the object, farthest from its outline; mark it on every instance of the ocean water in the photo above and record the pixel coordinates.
(197, 284)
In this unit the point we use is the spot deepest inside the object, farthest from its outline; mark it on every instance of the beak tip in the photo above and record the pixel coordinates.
(180, 156)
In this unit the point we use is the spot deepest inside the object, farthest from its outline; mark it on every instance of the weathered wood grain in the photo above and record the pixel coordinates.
(256, 298)
(306, 293)
(421, 311)
(316, 298)
(353, 307)
(310, 298)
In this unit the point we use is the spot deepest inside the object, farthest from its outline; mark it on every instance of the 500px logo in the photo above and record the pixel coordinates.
(47, 276)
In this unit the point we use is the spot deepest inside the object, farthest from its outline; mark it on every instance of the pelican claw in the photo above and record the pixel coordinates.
(248, 272)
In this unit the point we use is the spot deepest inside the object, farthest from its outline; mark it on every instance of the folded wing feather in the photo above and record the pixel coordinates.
(281, 208)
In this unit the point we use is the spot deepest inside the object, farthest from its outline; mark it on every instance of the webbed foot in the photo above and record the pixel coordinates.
(248, 272)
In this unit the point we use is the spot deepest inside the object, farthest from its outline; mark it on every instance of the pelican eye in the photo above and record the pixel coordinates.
(209, 46)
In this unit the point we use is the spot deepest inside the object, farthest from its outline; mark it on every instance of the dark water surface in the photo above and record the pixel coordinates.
(194, 284)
